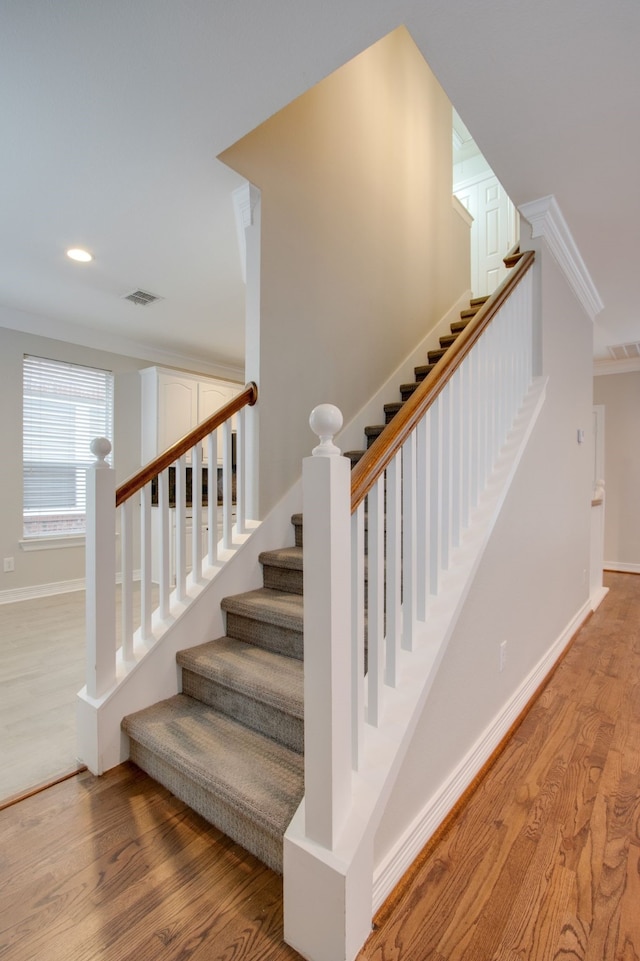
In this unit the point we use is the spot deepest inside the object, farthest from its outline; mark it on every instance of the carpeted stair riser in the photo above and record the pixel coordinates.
(296, 520)
(282, 570)
(257, 715)
(263, 690)
(260, 623)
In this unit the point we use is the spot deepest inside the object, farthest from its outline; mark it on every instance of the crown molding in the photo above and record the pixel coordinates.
(547, 221)
(627, 366)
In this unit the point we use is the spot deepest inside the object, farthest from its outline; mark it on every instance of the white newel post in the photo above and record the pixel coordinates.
(100, 566)
(326, 480)
(327, 879)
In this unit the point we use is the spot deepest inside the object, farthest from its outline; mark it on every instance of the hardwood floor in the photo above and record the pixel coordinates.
(541, 864)
(544, 861)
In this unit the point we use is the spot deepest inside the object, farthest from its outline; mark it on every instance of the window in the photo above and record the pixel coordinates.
(65, 407)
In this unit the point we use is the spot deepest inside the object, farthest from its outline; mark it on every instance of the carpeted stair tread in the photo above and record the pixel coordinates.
(257, 776)
(447, 340)
(260, 674)
(435, 355)
(422, 371)
(287, 557)
(459, 325)
(267, 605)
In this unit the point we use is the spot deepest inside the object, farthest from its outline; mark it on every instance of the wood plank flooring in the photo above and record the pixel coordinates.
(542, 863)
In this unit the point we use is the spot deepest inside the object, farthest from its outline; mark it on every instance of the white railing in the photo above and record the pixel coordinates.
(188, 492)
(406, 530)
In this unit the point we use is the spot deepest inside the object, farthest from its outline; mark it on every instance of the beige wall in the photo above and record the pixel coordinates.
(51, 566)
(361, 250)
(620, 396)
(533, 578)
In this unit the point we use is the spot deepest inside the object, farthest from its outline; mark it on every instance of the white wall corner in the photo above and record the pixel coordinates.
(244, 199)
(461, 210)
(547, 221)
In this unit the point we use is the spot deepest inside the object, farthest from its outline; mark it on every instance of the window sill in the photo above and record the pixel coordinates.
(52, 542)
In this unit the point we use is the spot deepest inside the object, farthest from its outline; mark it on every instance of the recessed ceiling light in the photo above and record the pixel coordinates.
(82, 256)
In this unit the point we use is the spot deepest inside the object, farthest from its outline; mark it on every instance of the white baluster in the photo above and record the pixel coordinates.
(100, 560)
(422, 515)
(393, 569)
(146, 602)
(163, 508)
(227, 479)
(409, 541)
(375, 601)
(327, 626)
(212, 499)
(433, 531)
(357, 634)
(126, 540)
(240, 475)
(196, 514)
(465, 473)
(181, 532)
(445, 477)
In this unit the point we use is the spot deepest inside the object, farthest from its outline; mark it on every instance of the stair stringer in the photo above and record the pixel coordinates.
(328, 894)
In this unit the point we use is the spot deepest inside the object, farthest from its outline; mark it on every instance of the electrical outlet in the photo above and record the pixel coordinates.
(9, 565)
(503, 655)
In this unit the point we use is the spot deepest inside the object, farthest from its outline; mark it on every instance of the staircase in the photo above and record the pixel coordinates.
(231, 744)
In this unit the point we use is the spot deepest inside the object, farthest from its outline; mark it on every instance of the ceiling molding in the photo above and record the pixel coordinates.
(547, 221)
(627, 366)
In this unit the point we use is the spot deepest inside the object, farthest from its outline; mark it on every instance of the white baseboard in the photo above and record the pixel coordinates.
(389, 872)
(41, 590)
(48, 590)
(621, 567)
(597, 597)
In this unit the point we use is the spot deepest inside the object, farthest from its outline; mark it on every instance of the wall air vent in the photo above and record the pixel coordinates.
(142, 298)
(625, 351)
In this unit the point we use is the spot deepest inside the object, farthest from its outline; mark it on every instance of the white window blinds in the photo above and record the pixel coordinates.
(64, 407)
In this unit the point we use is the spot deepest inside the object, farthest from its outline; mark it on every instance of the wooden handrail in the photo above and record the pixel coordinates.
(514, 255)
(135, 483)
(373, 462)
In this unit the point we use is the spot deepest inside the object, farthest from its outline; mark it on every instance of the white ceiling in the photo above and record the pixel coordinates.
(112, 115)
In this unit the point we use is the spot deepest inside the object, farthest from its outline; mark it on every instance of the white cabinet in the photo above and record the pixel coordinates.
(173, 402)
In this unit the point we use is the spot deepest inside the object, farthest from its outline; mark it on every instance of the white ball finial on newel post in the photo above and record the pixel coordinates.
(325, 420)
(100, 448)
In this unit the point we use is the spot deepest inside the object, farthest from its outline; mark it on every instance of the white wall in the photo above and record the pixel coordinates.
(361, 249)
(533, 578)
(64, 564)
(620, 395)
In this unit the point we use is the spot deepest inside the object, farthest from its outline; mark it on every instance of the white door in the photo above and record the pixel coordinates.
(493, 232)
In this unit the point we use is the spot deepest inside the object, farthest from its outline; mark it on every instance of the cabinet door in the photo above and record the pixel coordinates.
(211, 397)
(177, 408)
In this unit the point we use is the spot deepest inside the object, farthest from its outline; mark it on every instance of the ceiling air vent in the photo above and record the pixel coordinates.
(142, 298)
(625, 351)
